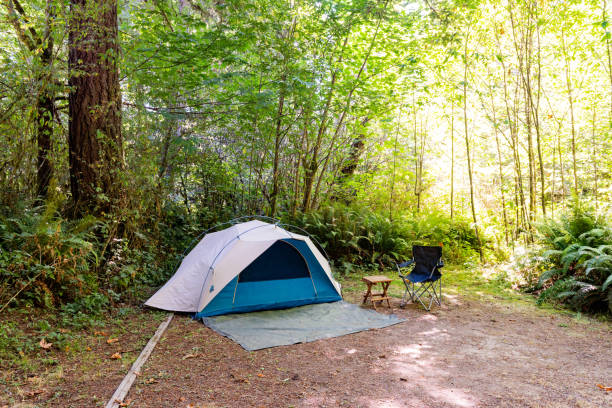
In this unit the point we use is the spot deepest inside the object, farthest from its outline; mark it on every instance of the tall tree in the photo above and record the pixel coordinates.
(467, 138)
(41, 48)
(94, 140)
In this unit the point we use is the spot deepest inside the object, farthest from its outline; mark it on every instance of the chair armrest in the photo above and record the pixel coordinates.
(405, 264)
(440, 263)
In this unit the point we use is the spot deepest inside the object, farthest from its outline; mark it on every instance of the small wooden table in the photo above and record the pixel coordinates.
(380, 296)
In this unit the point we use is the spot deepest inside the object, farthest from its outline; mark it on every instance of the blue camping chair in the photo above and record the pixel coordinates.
(425, 278)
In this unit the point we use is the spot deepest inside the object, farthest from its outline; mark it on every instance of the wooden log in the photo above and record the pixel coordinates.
(129, 378)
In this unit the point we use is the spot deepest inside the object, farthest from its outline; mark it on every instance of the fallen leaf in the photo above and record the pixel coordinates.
(186, 356)
(43, 344)
(382, 356)
(64, 331)
(88, 348)
(111, 341)
(99, 333)
(34, 393)
(116, 356)
(151, 381)
(403, 379)
(125, 403)
(181, 399)
(606, 389)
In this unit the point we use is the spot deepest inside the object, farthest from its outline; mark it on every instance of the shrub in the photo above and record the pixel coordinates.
(44, 258)
(358, 236)
(576, 256)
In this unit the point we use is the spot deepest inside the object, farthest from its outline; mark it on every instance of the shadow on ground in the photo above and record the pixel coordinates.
(464, 354)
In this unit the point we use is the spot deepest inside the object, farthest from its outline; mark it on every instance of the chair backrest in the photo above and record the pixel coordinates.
(426, 259)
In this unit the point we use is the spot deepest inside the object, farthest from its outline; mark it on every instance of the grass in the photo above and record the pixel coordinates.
(28, 368)
(470, 283)
(499, 284)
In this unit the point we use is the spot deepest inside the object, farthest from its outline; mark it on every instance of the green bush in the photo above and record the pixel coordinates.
(357, 236)
(45, 258)
(576, 255)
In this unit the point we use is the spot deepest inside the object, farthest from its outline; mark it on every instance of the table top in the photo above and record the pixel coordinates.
(376, 279)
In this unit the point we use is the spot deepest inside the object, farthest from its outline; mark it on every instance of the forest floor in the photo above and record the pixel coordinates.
(487, 346)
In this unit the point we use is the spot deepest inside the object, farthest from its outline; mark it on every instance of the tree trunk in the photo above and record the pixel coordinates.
(357, 149)
(45, 102)
(452, 175)
(392, 189)
(277, 145)
(94, 104)
(594, 159)
(536, 118)
(568, 80)
(311, 166)
(501, 173)
(604, 17)
(467, 145)
(45, 108)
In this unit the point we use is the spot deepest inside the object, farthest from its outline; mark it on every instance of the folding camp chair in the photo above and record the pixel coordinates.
(425, 277)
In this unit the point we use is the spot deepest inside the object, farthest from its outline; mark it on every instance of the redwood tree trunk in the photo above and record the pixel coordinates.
(94, 139)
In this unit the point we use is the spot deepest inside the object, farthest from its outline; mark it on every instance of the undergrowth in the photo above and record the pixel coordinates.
(354, 236)
(574, 260)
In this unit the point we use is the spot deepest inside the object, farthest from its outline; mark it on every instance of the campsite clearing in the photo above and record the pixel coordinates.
(466, 354)
(474, 351)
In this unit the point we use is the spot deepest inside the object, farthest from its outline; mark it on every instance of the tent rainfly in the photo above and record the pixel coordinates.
(247, 267)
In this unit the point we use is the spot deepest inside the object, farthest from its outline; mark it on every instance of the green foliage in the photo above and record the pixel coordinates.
(44, 257)
(13, 341)
(84, 312)
(359, 236)
(576, 256)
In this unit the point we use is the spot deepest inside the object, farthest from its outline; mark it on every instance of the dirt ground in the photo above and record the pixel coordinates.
(468, 353)
(83, 377)
(465, 354)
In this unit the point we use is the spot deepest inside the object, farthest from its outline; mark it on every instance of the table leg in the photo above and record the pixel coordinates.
(368, 293)
(385, 288)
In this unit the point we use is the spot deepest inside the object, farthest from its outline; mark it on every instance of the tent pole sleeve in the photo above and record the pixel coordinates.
(235, 287)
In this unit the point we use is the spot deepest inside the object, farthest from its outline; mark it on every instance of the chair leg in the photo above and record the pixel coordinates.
(433, 289)
(416, 293)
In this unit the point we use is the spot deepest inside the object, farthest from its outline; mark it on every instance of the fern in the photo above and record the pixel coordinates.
(577, 248)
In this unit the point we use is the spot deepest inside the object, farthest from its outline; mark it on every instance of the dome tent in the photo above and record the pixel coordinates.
(247, 267)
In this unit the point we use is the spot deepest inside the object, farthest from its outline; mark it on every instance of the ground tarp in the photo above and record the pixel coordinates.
(271, 328)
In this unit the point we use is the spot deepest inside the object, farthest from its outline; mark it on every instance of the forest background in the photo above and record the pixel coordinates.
(128, 128)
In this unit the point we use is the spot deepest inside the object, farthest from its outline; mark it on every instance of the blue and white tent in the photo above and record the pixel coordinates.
(247, 267)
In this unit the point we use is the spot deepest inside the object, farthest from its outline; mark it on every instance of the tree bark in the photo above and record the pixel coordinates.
(45, 101)
(467, 145)
(452, 180)
(501, 172)
(594, 158)
(277, 145)
(94, 104)
(604, 18)
(568, 80)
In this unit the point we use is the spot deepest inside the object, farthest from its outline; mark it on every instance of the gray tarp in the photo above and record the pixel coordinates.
(271, 328)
